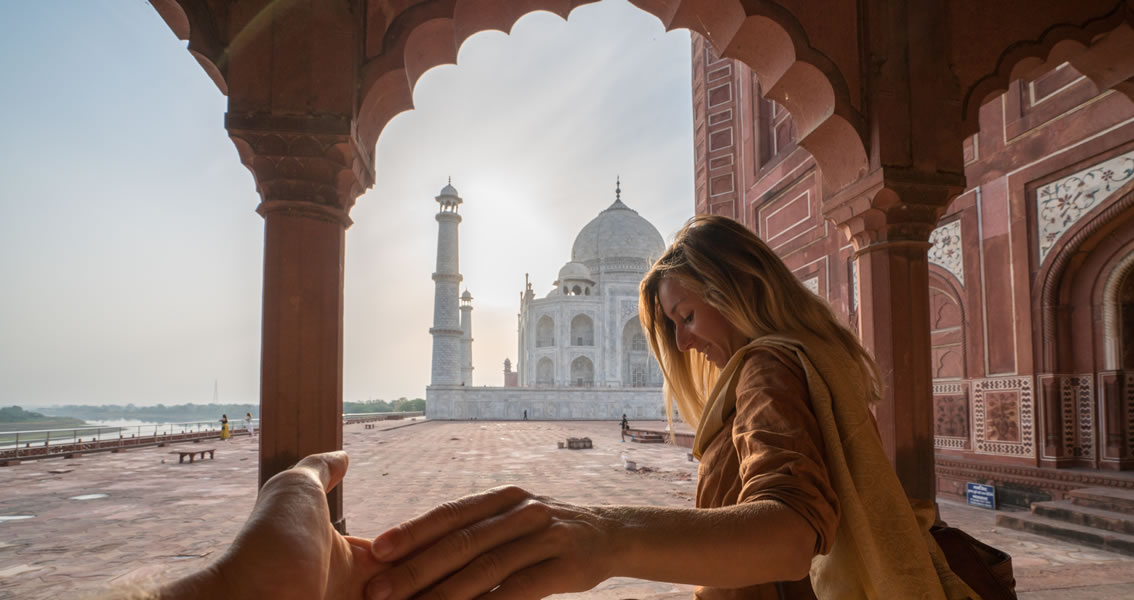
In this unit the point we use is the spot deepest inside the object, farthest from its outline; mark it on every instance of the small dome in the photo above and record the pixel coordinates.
(574, 271)
(448, 198)
(466, 296)
(617, 232)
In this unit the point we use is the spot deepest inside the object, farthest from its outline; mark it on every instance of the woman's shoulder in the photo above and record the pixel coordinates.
(764, 365)
(760, 358)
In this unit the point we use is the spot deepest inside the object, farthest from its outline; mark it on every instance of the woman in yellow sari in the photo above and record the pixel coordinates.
(795, 497)
(224, 434)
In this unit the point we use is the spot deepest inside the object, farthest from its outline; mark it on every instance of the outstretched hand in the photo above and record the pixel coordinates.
(288, 548)
(504, 543)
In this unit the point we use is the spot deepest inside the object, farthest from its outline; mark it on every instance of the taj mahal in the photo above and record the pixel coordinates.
(581, 350)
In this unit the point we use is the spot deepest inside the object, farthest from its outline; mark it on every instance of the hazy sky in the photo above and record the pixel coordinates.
(131, 255)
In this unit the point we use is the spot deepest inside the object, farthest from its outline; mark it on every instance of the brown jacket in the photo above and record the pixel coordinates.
(770, 448)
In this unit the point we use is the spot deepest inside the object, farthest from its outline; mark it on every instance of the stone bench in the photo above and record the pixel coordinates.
(181, 454)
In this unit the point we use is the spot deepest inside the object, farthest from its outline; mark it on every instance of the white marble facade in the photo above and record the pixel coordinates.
(585, 332)
(550, 404)
(582, 354)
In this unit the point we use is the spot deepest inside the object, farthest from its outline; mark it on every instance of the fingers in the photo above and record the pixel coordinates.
(422, 531)
(328, 468)
(483, 546)
(537, 581)
(496, 566)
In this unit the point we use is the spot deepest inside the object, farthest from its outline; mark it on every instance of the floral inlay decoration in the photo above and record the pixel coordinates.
(947, 251)
(1060, 204)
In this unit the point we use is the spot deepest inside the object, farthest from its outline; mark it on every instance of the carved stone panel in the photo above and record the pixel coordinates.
(951, 416)
(1003, 416)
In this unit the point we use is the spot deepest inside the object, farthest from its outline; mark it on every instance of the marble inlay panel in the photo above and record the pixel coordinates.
(1061, 203)
(812, 284)
(947, 251)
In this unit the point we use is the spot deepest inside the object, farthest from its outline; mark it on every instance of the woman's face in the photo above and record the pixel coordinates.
(697, 325)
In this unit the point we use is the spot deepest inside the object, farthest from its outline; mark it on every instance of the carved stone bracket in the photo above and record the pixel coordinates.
(313, 167)
(890, 206)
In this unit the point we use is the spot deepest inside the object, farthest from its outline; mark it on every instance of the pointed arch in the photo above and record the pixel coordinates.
(765, 36)
(545, 372)
(545, 332)
(582, 331)
(582, 372)
(1063, 32)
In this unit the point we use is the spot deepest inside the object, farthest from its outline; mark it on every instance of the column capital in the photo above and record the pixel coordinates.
(309, 166)
(891, 206)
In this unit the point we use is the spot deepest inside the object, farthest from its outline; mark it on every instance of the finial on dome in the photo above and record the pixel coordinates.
(618, 187)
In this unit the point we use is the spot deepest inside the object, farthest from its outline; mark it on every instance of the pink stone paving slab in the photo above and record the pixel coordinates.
(161, 519)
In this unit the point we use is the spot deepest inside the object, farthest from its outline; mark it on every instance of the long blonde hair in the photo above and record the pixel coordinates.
(736, 273)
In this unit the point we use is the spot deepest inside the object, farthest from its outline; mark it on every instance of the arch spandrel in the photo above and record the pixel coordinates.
(399, 40)
(429, 45)
(993, 43)
(808, 84)
(196, 23)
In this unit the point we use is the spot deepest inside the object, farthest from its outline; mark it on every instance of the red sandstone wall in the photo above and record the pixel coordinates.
(1012, 386)
(749, 167)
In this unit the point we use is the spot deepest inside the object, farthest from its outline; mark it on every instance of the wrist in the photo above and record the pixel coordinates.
(206, 583)
(621, 543)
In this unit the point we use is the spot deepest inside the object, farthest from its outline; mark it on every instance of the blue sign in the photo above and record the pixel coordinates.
(981, 495)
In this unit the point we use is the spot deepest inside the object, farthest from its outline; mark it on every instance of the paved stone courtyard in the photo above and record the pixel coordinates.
(112, 518)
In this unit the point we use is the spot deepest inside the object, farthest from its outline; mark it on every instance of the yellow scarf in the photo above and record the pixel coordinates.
(883, 549)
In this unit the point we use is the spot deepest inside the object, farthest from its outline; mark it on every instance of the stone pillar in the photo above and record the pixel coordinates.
(466, 339)
(446, 330)
(308, 172)
(891, 240)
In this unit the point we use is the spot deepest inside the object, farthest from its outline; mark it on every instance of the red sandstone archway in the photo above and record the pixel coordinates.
(946, 320)
(878, 91)
(772, 43)
(1094, 35)
(1082, 398)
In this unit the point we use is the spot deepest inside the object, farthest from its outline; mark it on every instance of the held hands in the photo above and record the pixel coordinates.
(504, 543)
(288, 548)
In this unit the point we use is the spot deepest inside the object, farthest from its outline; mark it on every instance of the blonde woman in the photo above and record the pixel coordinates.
(795, 498)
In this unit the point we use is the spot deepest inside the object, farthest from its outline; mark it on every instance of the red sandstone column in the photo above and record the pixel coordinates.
(301, 376)
(890, 230)
(308, 170)
(893, 279)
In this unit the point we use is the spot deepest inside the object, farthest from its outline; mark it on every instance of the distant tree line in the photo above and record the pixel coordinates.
(158, 413)
(16, 414)
(161, 413)
(375, 406)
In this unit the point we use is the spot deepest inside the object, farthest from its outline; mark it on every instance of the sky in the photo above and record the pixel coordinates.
(131, 255)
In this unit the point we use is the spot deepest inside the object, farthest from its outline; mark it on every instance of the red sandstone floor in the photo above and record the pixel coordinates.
(159, 518)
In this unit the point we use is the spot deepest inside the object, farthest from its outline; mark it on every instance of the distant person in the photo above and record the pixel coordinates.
(625, 425)
(248, 424)
(224, 428)
(525, 414)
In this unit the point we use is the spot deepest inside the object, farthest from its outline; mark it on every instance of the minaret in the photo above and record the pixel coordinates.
(466, 339)
(446, 330)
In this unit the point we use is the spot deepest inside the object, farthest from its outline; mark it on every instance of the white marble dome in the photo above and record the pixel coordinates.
(574, 271)
(449, 190)
(617, 232)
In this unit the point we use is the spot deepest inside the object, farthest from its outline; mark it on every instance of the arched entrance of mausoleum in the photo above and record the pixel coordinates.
(1084, 381)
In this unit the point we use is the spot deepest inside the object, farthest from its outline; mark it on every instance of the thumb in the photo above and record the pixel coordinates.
(328, 468)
